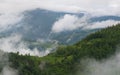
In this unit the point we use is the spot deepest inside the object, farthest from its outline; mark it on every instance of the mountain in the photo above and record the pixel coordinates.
(36, 26)
(66, 60)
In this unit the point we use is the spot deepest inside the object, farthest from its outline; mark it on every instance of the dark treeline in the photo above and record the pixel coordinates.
(99, 45)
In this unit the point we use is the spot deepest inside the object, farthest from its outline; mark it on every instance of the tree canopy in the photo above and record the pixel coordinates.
(99, 45)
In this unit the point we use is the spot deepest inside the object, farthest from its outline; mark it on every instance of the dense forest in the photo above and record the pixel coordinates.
(65, 60)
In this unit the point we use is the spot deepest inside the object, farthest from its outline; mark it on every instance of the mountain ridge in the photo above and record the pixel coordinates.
(64, 61)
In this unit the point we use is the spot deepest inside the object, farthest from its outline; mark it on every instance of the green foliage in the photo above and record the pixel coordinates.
(99, 45)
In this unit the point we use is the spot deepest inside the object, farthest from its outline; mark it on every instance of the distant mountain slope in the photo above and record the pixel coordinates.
(65, 59)
(37, 24)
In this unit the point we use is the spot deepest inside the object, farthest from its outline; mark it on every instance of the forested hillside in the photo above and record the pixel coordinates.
(64, 61)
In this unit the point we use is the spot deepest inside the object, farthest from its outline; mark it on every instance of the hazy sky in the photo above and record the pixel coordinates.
(99, 6)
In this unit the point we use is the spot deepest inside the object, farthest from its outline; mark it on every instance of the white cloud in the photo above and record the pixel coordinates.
(9, 71)
(109, 66)
(8, 20)
(68, 22)
(71, 22)
(102, 24)
(14, 43)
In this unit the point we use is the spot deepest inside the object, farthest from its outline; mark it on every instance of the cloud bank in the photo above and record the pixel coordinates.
(14, 43)
(109, 66)
(102, 24)
(72, 22)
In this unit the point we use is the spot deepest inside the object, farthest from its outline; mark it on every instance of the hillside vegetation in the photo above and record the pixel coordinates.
(64, 61)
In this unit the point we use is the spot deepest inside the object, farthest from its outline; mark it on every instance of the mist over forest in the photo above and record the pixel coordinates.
(52, 37)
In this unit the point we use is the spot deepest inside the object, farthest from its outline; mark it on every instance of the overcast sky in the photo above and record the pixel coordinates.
(11, 10)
